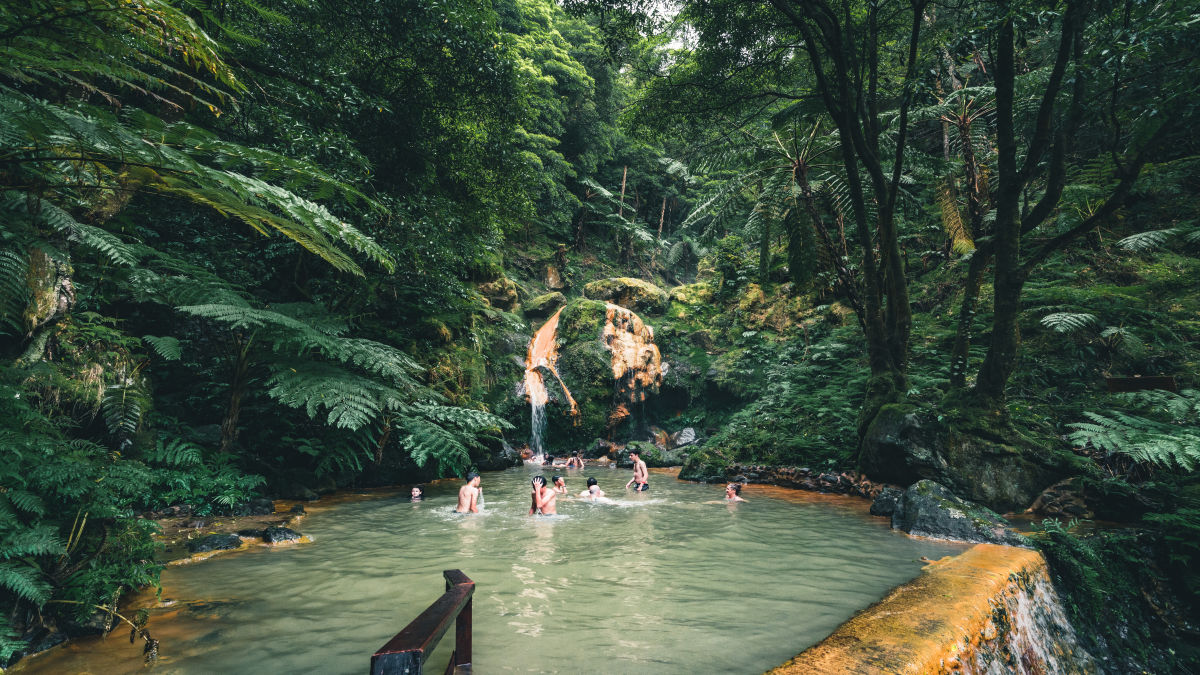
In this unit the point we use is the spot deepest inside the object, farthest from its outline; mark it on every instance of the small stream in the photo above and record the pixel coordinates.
(669, 581)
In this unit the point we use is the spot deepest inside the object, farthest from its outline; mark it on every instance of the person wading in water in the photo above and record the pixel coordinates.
(468, 495)
(639, 473)
(543, 500)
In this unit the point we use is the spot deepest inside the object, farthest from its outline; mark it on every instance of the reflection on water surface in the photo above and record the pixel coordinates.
(669, 581)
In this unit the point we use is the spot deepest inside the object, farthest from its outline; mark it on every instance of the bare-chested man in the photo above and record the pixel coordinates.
(543, 499)
(468, 495)
(639, 473)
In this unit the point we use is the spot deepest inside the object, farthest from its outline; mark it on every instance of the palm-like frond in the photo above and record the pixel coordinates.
(1069, 322)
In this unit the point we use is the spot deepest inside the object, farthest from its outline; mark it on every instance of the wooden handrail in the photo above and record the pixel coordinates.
(406, 653)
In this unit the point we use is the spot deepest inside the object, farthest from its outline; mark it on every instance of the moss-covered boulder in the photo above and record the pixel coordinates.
(652, 455)
(930, 510)
(543, 306)
(977, 456)
(500, 293)
(640, 296)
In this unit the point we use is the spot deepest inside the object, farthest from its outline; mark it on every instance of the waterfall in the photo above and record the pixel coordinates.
(543, 355)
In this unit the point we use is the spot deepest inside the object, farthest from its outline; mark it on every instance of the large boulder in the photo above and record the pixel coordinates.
(640, 296)
(215, 542)
(543, 306)
(652, 455)
(280, 535)
(500, 293)
(928, 509)
(255, 507)
(982, 459)
(684, 437)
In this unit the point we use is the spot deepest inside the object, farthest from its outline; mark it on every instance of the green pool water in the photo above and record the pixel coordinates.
(673, 580)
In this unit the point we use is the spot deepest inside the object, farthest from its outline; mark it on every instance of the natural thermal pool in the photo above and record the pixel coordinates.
(659, 582)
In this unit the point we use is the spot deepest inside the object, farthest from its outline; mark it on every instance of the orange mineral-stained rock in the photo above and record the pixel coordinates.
(990, 609)
(543, 353)
(636, 361)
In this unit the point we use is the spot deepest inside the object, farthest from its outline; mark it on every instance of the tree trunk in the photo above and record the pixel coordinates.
(960, 354)
(764, 250)
(237, 388)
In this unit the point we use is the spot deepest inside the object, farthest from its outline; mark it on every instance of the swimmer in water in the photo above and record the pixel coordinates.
(559, 485)
(543, 500)
(639, 473)
(593, 491)
(733, 492)
(575, 462)
(417, 493)
(468, 495)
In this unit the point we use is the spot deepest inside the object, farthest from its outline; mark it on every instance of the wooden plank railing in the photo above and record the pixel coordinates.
(407, 652)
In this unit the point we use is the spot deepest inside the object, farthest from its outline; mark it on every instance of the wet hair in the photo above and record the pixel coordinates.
(634, 451)
(538, 481)
(555, 480)
(736, 487)
(472, 476)
(419, 489)
(591, 481)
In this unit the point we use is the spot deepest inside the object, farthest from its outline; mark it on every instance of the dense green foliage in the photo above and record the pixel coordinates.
(252, 248)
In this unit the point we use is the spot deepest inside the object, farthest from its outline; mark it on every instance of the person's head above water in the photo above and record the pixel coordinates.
(591, 481)
(557, 479)
(472, 476)
(539, 481)
(633, 452)
(735, 487)
(417, 491)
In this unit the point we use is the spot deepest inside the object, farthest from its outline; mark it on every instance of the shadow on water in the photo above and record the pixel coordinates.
(670, 581)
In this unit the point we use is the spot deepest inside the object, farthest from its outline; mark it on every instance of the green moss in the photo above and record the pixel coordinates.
(544, 305)
(581, 319)
(635, 294)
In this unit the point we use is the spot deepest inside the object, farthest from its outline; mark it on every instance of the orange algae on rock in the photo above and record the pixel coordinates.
(636, 361)
(543, 354)
(990, 609)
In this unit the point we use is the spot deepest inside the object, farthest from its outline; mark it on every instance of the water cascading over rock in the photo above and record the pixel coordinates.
(636, 362)
(602, 352)
(543, 355)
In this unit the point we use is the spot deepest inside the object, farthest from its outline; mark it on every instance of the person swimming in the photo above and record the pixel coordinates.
(417, 493)
(733, 492)
(543, 499)
(559, 485)
(593, 490)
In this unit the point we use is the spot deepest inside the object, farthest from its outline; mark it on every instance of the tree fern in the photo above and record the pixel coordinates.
(350, 401)
(426, 441)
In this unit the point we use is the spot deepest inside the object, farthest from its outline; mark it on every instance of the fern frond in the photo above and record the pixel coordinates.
(1068, 322)
(25, 582)
(426, 441)
(174, 453)
(14, 292)
(166, 347)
